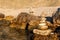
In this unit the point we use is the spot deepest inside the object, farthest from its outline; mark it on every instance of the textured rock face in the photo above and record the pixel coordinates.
(50, 37)
(56, 17)
(6, 33)
(28, 3)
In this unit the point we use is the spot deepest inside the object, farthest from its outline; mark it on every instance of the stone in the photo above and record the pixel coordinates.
(2, 15)
(56, 18)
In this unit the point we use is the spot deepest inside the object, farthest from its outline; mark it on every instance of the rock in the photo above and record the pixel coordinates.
(10, 18)
(49, 37)
(56, 18)
(2, 15)
(4, 22)
(22, 19)
(7, 33)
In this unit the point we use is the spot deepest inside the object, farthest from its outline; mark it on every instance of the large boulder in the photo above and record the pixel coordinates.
(56, 18)
(22, 19)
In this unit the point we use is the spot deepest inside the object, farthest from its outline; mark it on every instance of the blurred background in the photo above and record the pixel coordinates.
(14, 7)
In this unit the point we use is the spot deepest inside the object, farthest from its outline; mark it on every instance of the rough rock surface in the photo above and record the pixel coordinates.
(6, 33)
